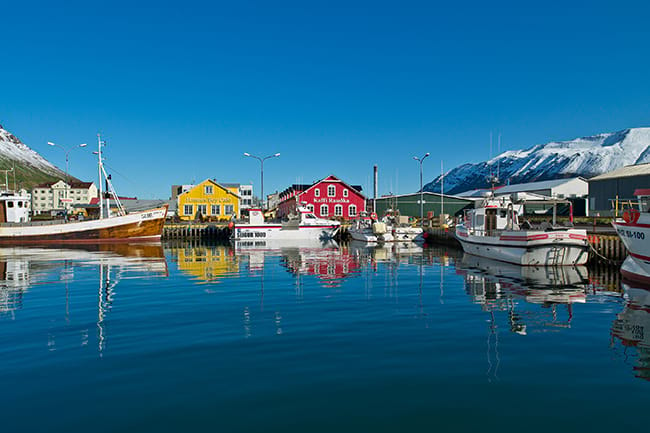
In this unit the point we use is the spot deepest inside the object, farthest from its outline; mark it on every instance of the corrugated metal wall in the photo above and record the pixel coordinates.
(601, 191)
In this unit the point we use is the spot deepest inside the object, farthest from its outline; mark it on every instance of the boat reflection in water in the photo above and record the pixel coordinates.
(498, 286)
(632, 328)
(14, 282)
(21, 268)
(323, 259)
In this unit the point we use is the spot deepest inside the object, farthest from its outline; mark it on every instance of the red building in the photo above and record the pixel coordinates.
(327, 198)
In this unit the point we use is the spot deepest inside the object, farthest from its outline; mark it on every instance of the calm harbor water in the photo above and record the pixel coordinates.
(256, 337)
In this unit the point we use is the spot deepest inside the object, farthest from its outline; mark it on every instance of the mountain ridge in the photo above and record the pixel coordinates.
(584, 156)
(30, 167)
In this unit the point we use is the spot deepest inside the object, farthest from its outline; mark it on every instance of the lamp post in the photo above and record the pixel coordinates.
(67, 151)
(421, 160)
(261, 160)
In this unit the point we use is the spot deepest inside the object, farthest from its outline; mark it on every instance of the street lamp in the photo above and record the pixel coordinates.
(261, 160)
(421, 160)
(67, 151)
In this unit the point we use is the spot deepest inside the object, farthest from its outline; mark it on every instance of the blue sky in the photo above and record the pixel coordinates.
(181, 89)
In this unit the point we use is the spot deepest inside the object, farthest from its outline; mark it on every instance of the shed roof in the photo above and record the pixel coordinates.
(627, 171)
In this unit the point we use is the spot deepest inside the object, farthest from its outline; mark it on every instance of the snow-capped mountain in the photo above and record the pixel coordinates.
(586, 157)
(31, 168)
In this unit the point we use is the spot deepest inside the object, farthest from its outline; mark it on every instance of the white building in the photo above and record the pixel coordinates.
(245, 194)
(575, 187)
(58, 196)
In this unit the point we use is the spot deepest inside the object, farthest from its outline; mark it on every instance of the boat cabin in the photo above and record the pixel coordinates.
(496, 214)
(14, 208)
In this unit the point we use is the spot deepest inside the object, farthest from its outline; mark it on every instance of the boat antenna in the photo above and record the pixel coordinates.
(498, 153)
(442, 189)
(100, 167)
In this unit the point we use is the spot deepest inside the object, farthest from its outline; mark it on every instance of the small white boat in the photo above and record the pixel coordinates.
(634, 231)
(368, 229)
(304, 226)
(493, 230)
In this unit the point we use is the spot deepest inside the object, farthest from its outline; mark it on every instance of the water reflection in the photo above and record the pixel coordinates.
(521, 300)
(632, 329)
(23, 267)
(206, 263)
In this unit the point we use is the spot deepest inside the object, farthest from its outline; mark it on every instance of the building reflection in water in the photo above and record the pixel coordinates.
(204, 262)
(632, 329)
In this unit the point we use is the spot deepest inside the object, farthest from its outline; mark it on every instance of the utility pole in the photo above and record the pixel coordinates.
(421, 160)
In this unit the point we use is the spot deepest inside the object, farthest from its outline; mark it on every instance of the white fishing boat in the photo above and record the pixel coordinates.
(493, 230)
(634, 231)
(304, 226)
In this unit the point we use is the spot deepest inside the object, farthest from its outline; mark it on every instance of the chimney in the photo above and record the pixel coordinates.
(374, 200)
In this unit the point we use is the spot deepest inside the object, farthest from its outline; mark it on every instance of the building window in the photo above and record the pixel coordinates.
(331, 191)
(345, 192)
(215, 209)
(338, 210)
(202, 209)
(188, 209)
(352, 210)
(317, 192)
(310, 208)
(228, 209)
(208, 189)
(324, 210)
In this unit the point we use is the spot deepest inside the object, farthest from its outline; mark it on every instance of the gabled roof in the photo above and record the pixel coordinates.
(213, 183)
(332, 178)
(627, 171)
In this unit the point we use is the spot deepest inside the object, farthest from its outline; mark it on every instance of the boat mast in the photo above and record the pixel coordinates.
(99, 168)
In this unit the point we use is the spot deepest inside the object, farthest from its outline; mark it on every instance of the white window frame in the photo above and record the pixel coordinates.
(310, 208)
(326, 208)
(331, 188)
(208, 189)
(352, 210)
(191, 208)
(345, 192)
(338, 210)
(202, 209)
(216, 207)
(317, 192)
(225, 209)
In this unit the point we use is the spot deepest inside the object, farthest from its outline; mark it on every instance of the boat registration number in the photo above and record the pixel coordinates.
(252, 234)
(631, 234)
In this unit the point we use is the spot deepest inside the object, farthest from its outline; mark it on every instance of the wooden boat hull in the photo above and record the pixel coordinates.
(138, 226)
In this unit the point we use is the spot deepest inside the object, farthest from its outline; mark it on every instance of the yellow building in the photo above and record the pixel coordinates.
(211, 200)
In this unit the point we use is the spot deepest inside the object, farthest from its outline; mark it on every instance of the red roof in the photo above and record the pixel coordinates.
(642, 192)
